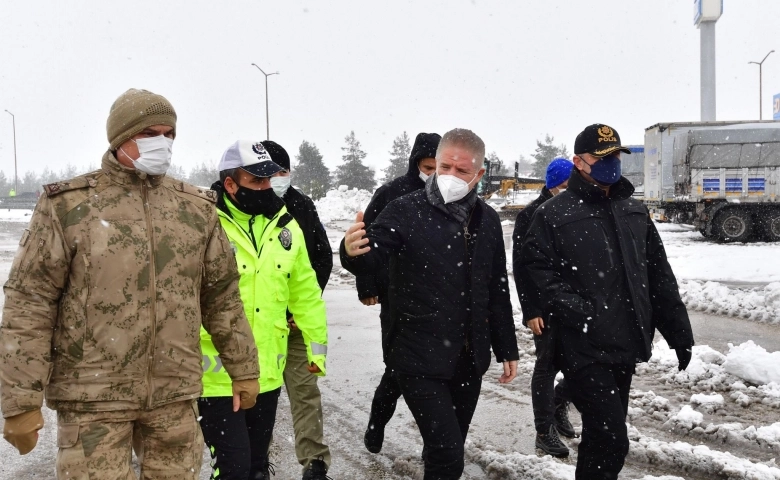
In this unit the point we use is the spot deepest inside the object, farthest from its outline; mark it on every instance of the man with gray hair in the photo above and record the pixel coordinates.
(448, 296)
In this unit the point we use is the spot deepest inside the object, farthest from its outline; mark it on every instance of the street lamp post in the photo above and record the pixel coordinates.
(267, 125)
(760, 84)
(16, 177)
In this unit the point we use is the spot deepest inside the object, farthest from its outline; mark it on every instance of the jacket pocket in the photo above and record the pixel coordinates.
(67, 435)
(29, 249)
(282, 268)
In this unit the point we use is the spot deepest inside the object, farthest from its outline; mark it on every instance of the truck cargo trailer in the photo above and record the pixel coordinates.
(720, 176)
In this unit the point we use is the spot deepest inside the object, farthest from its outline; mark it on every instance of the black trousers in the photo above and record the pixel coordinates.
(385, 400)
(443, 410)
(544, 398)
(238, 441)
(600, 393)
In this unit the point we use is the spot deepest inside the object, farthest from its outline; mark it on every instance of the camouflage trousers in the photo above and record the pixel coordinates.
(305, 403)
(167, 440)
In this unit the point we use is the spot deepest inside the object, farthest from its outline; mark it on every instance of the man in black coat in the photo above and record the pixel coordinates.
(372, 289)
(448, 297)
(550, 404)
(600, 265)
(302, 389)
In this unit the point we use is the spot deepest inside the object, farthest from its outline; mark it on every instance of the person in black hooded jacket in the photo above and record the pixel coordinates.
(599, 263)
(448, 297)
(550, 402)
(372, 289)
(302, 389)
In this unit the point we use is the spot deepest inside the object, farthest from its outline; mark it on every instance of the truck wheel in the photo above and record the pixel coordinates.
(733, 225)
(772, 226)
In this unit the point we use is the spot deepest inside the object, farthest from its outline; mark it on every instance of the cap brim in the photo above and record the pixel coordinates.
(606, 151)
(263, 169)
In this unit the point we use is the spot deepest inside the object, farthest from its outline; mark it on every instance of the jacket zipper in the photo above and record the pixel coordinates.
(152, 286)
(621, 244)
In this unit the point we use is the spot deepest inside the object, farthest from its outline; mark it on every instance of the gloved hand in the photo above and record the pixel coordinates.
(245, 393)
(683, 357)
(21, 430)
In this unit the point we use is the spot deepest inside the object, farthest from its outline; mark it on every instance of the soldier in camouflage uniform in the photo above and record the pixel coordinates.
(104, 303)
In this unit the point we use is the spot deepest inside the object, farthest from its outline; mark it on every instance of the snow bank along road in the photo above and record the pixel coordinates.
(719, 419)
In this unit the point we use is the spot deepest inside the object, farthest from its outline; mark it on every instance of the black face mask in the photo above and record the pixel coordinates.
(258, 202)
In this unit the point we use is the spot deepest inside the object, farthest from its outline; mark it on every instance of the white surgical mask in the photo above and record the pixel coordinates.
(280, 185)
(452, 188)
(155, 154)
(424, 177)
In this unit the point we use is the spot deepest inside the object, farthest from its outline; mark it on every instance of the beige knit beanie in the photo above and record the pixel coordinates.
(134, 111)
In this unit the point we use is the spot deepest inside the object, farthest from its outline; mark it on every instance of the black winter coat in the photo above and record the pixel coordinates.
(530, 297)
(318, 247)
(436, 299)
(375, 285)
(604, 276)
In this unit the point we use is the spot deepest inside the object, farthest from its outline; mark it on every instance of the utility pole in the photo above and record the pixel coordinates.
(16, 177)
(267, 123)
(760, 84)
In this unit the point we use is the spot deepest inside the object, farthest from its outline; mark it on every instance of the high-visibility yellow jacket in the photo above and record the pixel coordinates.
(275, 274)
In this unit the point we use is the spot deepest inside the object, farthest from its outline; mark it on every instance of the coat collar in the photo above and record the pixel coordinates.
(125, 175)
(590, 192)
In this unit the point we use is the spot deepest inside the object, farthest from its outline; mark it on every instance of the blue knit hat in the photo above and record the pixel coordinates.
(558, 171)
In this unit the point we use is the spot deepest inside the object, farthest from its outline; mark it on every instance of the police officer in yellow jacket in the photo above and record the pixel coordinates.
(275, 274)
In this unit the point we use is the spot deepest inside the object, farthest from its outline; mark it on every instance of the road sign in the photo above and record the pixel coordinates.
(776, 107)
(707, 11)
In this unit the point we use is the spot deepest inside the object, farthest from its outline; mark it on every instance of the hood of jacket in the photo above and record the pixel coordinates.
(425, 146)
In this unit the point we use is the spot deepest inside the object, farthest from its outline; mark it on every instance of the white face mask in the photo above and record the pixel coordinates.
(424, 177)
(280, 185)
(452, 188)
(155, 154)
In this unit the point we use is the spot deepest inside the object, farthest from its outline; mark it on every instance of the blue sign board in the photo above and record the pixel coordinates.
(776, 107)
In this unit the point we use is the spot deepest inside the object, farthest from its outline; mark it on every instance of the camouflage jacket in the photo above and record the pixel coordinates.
(107, 293)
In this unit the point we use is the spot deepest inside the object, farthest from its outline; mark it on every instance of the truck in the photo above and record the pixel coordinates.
(720, 176)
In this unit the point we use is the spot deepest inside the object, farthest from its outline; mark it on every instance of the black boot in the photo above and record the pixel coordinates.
(374, 437)
(551, 444)
(562, 423)
(316, 471)
(265, 471)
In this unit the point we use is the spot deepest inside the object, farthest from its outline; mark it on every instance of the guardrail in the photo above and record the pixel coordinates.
(18, 203)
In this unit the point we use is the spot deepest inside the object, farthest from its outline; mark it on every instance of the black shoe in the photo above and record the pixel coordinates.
(265, 471)
(562, 423)
(373, 438)
(316, 471)
(551, 444)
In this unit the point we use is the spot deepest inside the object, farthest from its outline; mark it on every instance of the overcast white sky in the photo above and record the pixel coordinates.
(510, 70)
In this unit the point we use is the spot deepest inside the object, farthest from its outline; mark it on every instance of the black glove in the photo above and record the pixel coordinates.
(683, 357)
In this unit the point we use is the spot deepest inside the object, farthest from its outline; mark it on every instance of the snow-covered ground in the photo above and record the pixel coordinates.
(719, 419)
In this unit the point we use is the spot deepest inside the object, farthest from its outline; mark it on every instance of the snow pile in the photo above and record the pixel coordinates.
(709, 403)
(15, 215)
(684, 457)
(759, 303)
(688, 417)
(706, 373)
(342, 204)
(753, 363)
(516, 466)
(704, 399)
(647, 403)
